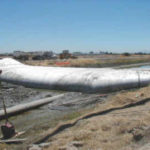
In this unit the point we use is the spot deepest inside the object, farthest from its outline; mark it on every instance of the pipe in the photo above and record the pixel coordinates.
(28, 106)
(89, 80)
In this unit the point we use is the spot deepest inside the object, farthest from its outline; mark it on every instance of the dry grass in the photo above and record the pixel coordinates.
(93, 61)
(120, 129)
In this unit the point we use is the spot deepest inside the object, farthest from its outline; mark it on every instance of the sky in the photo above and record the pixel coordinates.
(77, 25)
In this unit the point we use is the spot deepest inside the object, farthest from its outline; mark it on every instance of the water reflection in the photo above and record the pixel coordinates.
(148, 66)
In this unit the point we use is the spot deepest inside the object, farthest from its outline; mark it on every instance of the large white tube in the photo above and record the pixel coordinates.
(72, 79)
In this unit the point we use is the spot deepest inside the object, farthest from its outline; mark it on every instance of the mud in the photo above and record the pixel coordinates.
(14, 94)
(36, 121)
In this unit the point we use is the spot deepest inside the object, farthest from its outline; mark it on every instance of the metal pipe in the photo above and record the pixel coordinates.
(89, 80)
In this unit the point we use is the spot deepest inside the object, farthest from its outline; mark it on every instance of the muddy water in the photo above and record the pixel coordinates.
(38, 120)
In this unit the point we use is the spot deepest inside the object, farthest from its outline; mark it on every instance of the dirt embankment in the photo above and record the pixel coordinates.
(122, 122)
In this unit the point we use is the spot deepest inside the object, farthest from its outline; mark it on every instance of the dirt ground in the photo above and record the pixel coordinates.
(122, 123)
(119, 120)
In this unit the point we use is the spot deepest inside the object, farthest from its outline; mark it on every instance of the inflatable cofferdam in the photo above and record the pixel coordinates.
(88, 80)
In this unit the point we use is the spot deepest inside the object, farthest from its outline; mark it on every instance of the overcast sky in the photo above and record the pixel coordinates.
(77, 25)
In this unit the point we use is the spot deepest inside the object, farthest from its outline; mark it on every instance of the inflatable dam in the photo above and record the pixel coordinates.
(87, 80)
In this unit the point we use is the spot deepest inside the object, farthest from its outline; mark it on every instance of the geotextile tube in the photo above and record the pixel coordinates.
(28, 106)
(88, 80)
